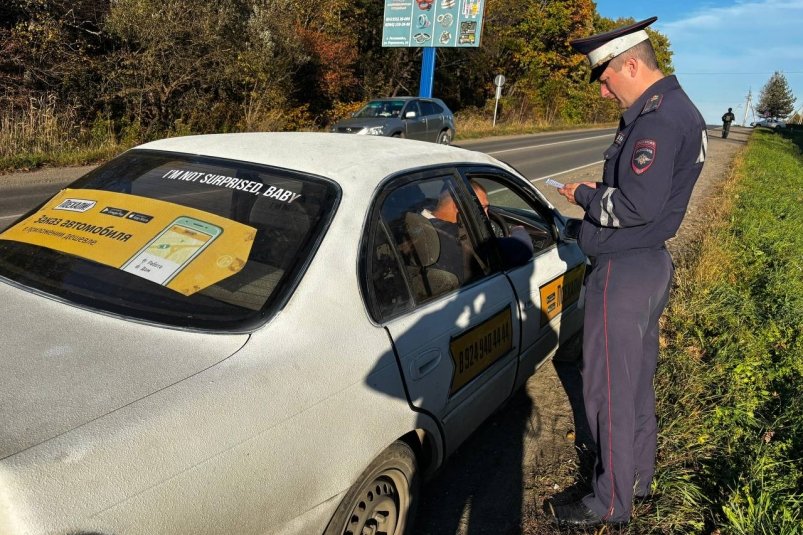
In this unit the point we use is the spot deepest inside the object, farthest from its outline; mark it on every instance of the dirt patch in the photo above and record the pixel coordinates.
(496, 482)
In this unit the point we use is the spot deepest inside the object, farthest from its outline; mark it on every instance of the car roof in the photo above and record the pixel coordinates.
(356, 162)
(405, 98)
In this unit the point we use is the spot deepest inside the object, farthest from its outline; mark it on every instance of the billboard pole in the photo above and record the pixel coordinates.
(427, 72)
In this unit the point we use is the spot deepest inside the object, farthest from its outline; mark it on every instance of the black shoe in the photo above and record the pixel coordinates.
(575, 514)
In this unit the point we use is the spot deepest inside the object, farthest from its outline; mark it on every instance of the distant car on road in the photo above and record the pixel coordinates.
(425, 119)
(770, 123)
(259, 333)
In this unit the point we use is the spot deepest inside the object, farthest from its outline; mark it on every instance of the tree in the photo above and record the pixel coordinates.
(53, 49)
(776, 98)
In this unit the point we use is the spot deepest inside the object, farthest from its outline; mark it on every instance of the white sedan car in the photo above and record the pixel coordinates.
(267, 333)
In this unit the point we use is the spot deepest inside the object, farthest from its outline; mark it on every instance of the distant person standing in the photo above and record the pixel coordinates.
(727, 119)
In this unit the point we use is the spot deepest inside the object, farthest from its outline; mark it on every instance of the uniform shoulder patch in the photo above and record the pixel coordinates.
(652, 104)
(643, 155)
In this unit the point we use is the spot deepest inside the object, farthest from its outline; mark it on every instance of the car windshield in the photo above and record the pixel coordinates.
(380, 108)
(183, 240)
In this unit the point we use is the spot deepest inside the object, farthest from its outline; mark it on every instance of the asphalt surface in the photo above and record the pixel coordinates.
(537, 157)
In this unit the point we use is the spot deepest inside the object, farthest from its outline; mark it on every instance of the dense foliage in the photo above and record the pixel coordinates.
(145, 68)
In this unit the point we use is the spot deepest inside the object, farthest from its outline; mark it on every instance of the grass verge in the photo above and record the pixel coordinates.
(729, 382)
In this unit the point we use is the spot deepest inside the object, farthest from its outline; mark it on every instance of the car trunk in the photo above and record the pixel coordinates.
(62, 366)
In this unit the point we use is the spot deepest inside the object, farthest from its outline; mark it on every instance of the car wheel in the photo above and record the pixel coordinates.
(384, 498)
(398, 135)
(445, 138)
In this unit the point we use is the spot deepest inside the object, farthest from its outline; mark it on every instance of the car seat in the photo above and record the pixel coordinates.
(425, 249)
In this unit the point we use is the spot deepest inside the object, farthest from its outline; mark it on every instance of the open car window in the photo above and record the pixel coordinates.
(510, 207)
(177, 239)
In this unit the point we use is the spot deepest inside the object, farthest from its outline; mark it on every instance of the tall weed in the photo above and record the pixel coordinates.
(48, 131)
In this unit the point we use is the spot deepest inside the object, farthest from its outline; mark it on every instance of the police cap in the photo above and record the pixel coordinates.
(603, 47)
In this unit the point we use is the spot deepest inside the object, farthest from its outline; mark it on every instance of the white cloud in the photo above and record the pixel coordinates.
(756, 38)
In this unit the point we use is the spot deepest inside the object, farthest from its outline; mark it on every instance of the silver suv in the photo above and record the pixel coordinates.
(427, 119)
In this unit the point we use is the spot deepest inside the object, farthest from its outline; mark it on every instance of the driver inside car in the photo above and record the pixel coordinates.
(456, 254)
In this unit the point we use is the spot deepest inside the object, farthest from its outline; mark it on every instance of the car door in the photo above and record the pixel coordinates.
(549, 286)
(434, 119)
(454, 323)
(415, 124)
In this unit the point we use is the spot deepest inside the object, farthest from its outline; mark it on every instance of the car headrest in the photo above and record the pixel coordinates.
(423, 238)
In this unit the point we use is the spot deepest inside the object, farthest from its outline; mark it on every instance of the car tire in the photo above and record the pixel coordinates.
(384, 498)
(445, 138)
(398, 135)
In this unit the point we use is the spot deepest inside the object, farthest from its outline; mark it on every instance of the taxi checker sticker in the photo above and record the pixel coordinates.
(181, 248)
(561, 292)
(476, 349)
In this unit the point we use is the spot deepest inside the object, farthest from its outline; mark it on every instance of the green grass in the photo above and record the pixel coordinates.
(730, 380)
(32, 160)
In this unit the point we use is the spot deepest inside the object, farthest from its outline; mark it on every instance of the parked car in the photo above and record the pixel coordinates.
(770, 123)
(253, 333)
(425, 119)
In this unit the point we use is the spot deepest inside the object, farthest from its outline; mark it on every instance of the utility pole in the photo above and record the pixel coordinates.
(748, 106)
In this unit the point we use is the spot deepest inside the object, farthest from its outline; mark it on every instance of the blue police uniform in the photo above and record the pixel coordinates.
(650, 171)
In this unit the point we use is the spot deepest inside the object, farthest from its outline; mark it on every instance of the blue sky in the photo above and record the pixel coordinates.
(723, 49)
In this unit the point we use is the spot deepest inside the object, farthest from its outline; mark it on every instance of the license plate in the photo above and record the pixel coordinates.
(561, 292)
(475, 350)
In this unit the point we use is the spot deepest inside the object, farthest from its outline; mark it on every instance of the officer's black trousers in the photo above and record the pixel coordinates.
(625, 296)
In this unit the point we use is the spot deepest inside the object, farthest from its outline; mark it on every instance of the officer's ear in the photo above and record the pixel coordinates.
(631, 66)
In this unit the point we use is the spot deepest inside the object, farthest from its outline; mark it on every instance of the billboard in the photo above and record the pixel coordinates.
(432, 23)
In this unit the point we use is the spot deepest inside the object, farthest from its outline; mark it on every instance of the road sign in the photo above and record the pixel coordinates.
(432, 23)
(499, 81)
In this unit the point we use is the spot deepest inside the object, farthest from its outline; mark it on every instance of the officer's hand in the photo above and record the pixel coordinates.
(568, 190)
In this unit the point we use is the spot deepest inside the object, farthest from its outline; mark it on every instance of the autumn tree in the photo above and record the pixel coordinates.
(52, 48)
(776, 99)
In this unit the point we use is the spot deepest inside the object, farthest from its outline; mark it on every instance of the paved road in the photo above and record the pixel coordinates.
(537, 157)
(541, 156)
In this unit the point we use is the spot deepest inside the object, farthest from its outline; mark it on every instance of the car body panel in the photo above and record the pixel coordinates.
(120, 426)
(770, 123)
(422, 339)
(421, 126)
(75, 370)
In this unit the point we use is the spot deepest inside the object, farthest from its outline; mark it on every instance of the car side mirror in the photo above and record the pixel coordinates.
(571, 230)
(409, 115)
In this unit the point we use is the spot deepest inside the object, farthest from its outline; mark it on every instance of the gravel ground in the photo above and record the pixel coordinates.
(496, 482)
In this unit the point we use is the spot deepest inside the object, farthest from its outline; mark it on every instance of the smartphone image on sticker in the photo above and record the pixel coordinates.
(162, 258)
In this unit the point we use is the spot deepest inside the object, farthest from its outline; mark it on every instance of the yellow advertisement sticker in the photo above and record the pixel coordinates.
(560, 293)
(178, 247)
(475, 350)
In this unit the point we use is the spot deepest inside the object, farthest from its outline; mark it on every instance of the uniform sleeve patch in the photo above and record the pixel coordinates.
(643, 155)
(653, 103)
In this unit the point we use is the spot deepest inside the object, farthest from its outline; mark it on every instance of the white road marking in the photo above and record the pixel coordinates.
(547, 144)
(566, 171)
(11, 216)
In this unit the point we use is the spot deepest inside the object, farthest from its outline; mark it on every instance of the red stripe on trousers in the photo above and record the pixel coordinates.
(608, 369)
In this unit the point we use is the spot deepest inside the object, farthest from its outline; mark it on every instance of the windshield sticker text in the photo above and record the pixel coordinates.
(241, 184)
(75, 205)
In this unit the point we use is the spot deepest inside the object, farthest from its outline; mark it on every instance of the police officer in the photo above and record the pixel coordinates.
(650, 170)
(727, 119)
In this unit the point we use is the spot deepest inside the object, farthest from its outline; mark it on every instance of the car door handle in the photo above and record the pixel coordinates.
(425, 364)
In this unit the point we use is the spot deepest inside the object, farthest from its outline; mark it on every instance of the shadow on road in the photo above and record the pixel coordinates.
(493, 482)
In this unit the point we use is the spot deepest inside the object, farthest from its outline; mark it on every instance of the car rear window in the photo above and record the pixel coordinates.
(186, 206)
(430, 108)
